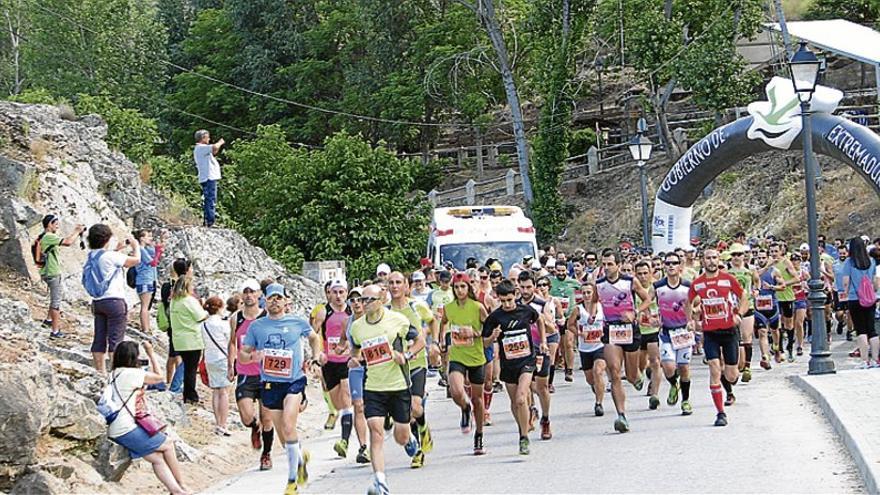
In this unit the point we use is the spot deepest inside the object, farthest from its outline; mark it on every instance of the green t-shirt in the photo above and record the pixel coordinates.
(186, 321)
(439, 298)
(564, 291)
(787, 294)
(744, 277)
(653, 313)
(467, 353)
(49, 244)
(376, 341)
(419, 316)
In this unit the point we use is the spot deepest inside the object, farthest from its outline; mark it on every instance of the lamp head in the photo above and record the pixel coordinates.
(640, 147)
(804, 68)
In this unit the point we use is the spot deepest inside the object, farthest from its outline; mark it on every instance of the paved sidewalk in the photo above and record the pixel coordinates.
(850, 400)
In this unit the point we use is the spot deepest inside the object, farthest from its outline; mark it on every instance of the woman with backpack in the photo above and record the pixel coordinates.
(128, 380)
(104, 280)
(187, 315)
(215, 334)
(860, 280)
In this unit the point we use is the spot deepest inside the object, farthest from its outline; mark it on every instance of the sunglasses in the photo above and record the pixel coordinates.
(366, 299)
(484, 277)
(672, 263)
(544, 285)
(737, 254)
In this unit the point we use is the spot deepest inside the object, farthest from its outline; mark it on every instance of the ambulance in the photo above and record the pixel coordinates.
(503, 233)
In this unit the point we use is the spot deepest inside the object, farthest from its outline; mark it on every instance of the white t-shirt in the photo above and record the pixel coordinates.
(109, 263)
(127, 381)
(208, 167)
(219, 329)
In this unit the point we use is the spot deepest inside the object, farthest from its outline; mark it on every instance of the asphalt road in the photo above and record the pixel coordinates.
(777, 442)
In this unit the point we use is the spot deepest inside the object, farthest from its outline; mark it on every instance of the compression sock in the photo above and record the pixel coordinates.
(790, 346)
(685, 389)
(268, 439)
(421, 421)
(414, 428)
(552, 373)
(346, 421)
(292, 459)
(330, 408)
(716, 397)
(673, 379)
(728, 387)
(747, 348)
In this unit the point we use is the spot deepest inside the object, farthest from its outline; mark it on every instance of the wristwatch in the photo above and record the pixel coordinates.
(407, 355)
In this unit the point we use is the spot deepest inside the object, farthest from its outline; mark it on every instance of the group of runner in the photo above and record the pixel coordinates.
(627, 316)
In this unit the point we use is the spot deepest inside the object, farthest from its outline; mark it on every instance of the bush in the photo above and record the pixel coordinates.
(128, 130)
(580, 141)
(35, 96)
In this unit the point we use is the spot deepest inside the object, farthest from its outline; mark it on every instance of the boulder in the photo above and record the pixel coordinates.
(113, 460)
(39, 483)
(23, 414)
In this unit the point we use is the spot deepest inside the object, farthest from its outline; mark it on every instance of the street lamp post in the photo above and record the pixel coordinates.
(640, 149)
(804, 68)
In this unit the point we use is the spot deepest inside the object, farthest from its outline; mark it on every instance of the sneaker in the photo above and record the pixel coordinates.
(721, 419)
(524, 446)
(302, 471)
(765, 362)
(465, 422)
(222, 432)
(331, 421)
(432, 372)
(686, 408)
(730, 400)
(363, 456)
(875, 364)
(265, 462)
(426, 440)
(497, 388)
(388, 423)
(778, 357)
(855, 353)
(378, 488)
(598, 410)
(653, 402)
(256, 437)
(747, 375)
(47, 323)
(800, 351)
(568, 376)
(621, 424)
(442, 382)
(478, 444)
(789, 356)
(341, 448)
(412, 446)
(418, 460)
(552, 389)
(487, 419)
(56, 335)
(672, 398)
(533, 416)
(291, 488)
(639, 383)
(849, 336)
(863, 365)
(546, 434)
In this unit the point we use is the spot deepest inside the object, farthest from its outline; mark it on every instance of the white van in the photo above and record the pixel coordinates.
(481, 232)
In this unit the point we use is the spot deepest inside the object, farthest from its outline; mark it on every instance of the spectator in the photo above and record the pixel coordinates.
(858, 266)
(50, 271)
(232, 304)
(215, 333)
(174, 365)
(186, 316)
(145, 281)
(129, 380)
(209, 172)
(110, 309)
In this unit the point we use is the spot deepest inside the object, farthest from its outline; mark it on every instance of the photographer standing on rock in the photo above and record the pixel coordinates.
(209, 172)
(46, 257)
(145, 281)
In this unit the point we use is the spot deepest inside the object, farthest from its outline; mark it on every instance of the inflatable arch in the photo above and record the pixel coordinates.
(770, 125)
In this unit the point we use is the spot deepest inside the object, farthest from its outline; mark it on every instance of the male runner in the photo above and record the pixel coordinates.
(276, 343)
(747, 279)
(676, 340)
(649, 327)
(438, 298)
(563, 288)
(543, 362)
(785, 297)
(715, 290)
(766, 306)
(840, 295)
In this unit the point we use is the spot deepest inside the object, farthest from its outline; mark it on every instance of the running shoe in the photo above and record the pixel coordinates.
(778, 357)
(598, 410)
(341, 448)
(730, 400)
(56, 335)
(388, 423)
(721, 419)
(442, 382)
(800, 351)
(524, 446)
(568, 376)
(672, 399)
(789, 356)
(426, 439)
(747, 375)
(412, 446)
(256, 440)
(686, 408)
(478, 444)
(621, 424)
(765, 362)
(265, 462)
(639, 383)
(378, 488)
(432, 372)
(546, 434)
(363, 456)
(653, 402)
(875, 364)
(497, 388)
(302, 471)
(849, 336)
(855, 353)
(331, 421)
(533, 417)
(418, 460)
(863, 365)
(291, 488)
(47, 323)
(552, 389)
(465, 422)
(487, 419)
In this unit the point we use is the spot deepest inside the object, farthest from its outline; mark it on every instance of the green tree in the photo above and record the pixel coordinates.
(128, 130)
(861, 11)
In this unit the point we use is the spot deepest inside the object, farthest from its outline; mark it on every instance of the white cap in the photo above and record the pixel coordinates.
(551, 263)
(417, 275)
(536, 264)
(690, 249)
(338, 283)
(804, 247)
(866, 239)
(251, 284)
(383, 268)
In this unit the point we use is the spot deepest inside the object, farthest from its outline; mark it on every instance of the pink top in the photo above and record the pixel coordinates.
(333, 328)
(250, 369)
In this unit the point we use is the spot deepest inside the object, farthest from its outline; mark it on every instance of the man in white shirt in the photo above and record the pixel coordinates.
(209, 172)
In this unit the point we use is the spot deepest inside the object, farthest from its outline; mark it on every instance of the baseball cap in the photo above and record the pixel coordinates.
(551, 263)
(337, 283)
(49, 219)
(274, 290)
(417, 276)
(804, 247)
(737, 248)
(496, 266)
(355, 290)
(461, 277)
(536, 265)
(251, 284)
(425, 263)
(383, 268)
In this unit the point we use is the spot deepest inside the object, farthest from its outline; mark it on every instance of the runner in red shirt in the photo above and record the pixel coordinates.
(717, 293)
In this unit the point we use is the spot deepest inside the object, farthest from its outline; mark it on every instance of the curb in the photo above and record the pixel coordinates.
(869, 475)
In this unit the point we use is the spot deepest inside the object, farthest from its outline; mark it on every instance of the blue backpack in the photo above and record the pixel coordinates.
(92, 278)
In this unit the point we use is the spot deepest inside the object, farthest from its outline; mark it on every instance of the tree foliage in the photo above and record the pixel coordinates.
(861, 11)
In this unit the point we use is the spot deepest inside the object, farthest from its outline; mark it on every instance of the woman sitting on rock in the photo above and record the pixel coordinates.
(129, 381)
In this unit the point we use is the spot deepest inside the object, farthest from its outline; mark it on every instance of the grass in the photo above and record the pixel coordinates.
(146, 172)
(30, 186)
(39, 149)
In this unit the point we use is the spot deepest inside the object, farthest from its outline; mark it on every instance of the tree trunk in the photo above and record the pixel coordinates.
(661, 102)
(15, 46)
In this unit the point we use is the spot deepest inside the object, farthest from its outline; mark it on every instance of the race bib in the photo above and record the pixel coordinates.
(564, 302)
(516, 346)
(681, 338)
(278, 363)
(578, 297)
(539, 362)
(332, 345)
(715, 308)
(458, 339)
(648, 318)
(376, 350)
(620, 333)
(764, 303)
(842, 296)
(591, 335)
